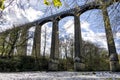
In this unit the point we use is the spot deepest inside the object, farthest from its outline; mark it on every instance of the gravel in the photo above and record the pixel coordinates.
(60, 76)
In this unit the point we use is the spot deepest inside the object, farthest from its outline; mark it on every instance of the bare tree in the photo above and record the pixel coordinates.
(45, 41)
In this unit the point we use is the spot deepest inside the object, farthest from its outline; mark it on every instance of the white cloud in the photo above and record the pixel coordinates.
(118, 35)
(32, 14)
(15, 15)
(69, 26)
(88, 34)
(85, 25)
(32, 29)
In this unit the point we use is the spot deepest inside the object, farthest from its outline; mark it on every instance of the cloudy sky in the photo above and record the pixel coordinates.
(22, 11)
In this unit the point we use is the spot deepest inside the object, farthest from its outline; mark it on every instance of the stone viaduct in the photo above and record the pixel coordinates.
(75, 12)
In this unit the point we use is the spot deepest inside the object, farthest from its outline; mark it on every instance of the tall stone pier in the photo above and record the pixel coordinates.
(54, 55)
(114, 62)
(78, 62)
(37, 42)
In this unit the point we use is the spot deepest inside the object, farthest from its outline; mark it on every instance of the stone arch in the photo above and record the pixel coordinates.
(65, 15)
(66, 32)
(46, 33)
(110, 41)
(37, 38)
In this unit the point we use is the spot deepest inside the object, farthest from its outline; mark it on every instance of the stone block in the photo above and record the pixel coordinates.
(53, 65)
(114, 66)
(79, 66)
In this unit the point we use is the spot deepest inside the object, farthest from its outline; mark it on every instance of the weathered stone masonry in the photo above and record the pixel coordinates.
(75, 12)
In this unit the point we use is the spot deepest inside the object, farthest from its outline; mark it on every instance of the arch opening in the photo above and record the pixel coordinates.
(66, 42)
(94, 45)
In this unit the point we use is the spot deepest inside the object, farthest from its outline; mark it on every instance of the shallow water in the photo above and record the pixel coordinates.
(60, 76)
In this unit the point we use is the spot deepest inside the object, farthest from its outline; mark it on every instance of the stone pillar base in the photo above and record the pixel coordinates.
(53, 65)
(79, 66)
(114, 66)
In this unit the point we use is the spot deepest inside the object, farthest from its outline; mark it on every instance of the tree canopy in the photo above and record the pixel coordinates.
(2, 4)
(56, 3)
